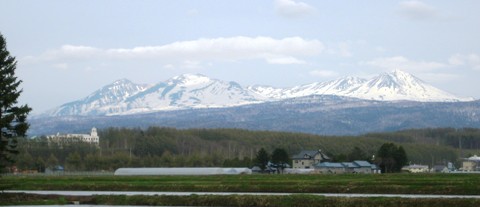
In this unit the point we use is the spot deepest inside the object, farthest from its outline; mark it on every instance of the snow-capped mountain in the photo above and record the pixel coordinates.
(341, 87)
(102, 101)
(400, 85)
(198, 91)
(180, 92)
(397, 85)
(190, 91)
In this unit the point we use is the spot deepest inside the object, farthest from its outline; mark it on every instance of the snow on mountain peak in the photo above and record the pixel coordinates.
(121, 82)
(199, 91)
(395, 85)
(190, 79)
(400, 85)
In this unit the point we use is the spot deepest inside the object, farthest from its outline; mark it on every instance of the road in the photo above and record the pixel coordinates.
(351, 195)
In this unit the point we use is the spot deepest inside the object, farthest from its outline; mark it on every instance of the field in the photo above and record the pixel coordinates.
(302, 200)
(451, 184)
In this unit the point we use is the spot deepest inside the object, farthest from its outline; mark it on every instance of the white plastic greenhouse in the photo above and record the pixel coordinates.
(183, 171)
(298, 171)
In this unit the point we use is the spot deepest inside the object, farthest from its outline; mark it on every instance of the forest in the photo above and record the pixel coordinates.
(170, 147)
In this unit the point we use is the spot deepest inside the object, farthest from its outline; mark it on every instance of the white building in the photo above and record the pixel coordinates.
(183, 171)
(62, 139)
(416, 168)
(471, 164)
(307, 159)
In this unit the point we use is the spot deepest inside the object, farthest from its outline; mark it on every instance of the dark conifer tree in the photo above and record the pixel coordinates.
(262, 158)
(391, 158)
(280, 158)
(12, 117)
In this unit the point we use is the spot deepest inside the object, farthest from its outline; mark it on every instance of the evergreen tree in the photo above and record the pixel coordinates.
(12, 118)
(262, 158)
(280, 158)
(401, 158)
(391, 158)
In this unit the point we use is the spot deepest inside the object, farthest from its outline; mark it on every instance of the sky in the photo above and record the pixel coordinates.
(68, 49)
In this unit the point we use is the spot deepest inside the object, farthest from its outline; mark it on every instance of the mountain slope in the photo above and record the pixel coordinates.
(102, 101)
(191, 91)
(180, 92)
(326, 115)
(397, 85)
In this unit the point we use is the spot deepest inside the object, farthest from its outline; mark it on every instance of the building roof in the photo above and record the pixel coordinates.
(362, 163)
(473, 158)
(349, 164)
(309, 153)
(354, 164)
(330, 165)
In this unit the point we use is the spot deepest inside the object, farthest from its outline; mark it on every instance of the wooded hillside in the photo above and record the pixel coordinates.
(166, 147)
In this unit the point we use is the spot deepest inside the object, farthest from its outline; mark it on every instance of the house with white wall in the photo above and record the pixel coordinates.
(63, 139)
(307, 159)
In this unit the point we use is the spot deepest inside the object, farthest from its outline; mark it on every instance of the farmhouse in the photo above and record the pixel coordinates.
(358, 166)
(307, 159)
(62, 139)
(330, 167)
(471, 164)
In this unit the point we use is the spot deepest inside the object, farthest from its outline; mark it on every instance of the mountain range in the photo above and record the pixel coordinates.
(194, 91)
(316, 114)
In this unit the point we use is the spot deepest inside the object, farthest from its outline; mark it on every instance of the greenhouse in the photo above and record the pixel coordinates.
(183, 171)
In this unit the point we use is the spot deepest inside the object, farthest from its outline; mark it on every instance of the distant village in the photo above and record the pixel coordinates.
(305, 162)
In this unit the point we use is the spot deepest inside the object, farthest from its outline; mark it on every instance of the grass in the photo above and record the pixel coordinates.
(233, 200)
(452, 184)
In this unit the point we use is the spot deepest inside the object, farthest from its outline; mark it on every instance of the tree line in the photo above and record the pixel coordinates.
(169, 147)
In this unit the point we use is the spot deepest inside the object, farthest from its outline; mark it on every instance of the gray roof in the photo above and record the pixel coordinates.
(330, 165)
(310, 153)
(362, 163)
(349, 164)
(354, 164)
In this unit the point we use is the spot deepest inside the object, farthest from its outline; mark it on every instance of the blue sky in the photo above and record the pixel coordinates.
(68, 49)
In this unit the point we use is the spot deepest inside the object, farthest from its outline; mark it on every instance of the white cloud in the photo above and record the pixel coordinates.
(284, 60)
(323, 73)
(292, 8)
(417, 10)
(73, 51)
(403, 63)
(274, 51)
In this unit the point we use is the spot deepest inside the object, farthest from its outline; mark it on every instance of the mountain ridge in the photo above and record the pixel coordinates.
(316, 114)
(186, 91)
